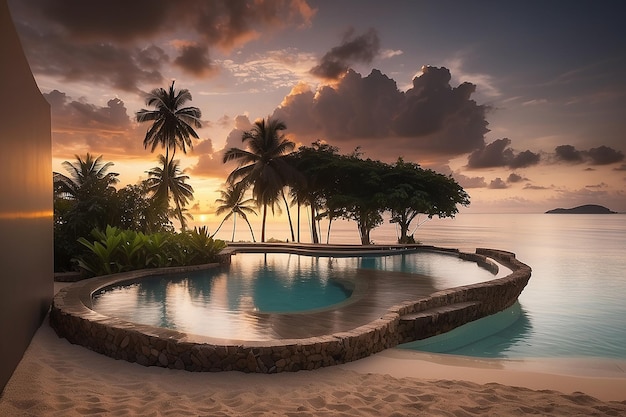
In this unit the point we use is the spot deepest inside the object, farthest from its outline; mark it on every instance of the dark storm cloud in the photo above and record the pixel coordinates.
(513, 178)
(497, 184)
(432, 105)
(79, 113)
(525, 159)
(603, 155)
(495, 154)
(194, 59)
(470, 182)
(210, 161)
(432, 118)
(353, 50)
(568, 153)
(118, 20)
(535, 187)
(499, 154)
(105, 42)
(77, 124)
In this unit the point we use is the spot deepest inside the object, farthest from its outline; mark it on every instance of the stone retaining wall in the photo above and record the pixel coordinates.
(72, 318)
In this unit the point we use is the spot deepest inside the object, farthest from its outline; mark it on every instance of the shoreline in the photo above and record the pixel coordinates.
(601, 378)
(58, 378)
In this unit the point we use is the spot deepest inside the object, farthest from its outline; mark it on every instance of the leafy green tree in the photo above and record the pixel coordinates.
(168, 182)
(413, 191)
(263, 164)
(232, 201)
(316, 181)
(137, 211)
(83, 200)
(360, 193)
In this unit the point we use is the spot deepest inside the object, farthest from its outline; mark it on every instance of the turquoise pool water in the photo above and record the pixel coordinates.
(226, 302)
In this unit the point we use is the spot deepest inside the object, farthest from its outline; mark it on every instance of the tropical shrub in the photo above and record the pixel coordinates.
(118, 250)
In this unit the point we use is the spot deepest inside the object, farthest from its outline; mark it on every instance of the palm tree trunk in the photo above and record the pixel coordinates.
(314, 235)
(180, 216)
(298, 226)
(232, 239)
(219, 227)
(251, 231)
(293, 238)
(263, 223)
(330, 222)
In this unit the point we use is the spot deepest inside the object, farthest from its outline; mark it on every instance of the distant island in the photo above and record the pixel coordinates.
(586, 209)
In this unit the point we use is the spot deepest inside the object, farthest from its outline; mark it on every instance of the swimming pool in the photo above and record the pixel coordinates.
(229, 302)
(386, 308)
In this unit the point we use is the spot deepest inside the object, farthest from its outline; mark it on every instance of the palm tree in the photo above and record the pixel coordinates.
(172, 124)
(263, 165)
(90, 189)
(169, 179)
(232, 201)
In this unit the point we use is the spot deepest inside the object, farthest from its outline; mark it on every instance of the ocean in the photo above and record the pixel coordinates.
(575, 302)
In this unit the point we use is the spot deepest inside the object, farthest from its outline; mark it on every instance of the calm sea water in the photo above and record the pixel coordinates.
(575, 302)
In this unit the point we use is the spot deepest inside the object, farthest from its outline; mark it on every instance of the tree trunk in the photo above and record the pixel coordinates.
(293, 238)
(298, 224)
(314, 237)
(250, 227)
(364, 231)
(263, 223)
(330, 222)
(219, 227)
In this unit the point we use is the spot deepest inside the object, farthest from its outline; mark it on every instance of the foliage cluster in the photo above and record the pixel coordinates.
(117, 250)
(338, 186)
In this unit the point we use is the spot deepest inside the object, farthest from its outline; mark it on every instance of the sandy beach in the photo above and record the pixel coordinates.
(56, 378)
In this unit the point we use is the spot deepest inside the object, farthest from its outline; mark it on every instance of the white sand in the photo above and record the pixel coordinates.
(56, 378)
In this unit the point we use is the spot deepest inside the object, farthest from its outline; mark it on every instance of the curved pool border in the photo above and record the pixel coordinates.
(72, 318)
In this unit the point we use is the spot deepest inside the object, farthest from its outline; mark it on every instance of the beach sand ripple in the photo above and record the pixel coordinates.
(56, 378)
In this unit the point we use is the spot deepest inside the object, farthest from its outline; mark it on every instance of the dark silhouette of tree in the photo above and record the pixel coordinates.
(316, 180)
(172, 124)
(82, 201)
(172, 128)
(168, 182)
(137, 211)
(413, 191)
(233, 202)
(90, 189)
(360, 193)
(262, 165)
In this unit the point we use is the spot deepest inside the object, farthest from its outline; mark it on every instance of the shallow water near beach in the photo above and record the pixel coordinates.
(575, 302)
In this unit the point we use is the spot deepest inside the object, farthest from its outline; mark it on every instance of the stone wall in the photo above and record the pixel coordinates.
(150, 346)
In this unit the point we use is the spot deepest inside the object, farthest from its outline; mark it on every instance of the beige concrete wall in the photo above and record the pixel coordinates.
(26, 239)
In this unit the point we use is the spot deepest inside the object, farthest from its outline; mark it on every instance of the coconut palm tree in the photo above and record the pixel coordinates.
(263, 164)
(89, 188)
(170, 180)
(172, 124)
(232, 202)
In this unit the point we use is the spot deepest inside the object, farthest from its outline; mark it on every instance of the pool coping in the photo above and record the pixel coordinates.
(72, 318)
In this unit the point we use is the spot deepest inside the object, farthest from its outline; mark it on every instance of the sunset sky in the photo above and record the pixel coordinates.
(522, 102)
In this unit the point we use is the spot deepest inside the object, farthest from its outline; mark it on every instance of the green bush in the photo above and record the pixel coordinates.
(117, 250)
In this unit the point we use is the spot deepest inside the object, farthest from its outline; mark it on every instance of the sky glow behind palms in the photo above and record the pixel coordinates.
(532, 115)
